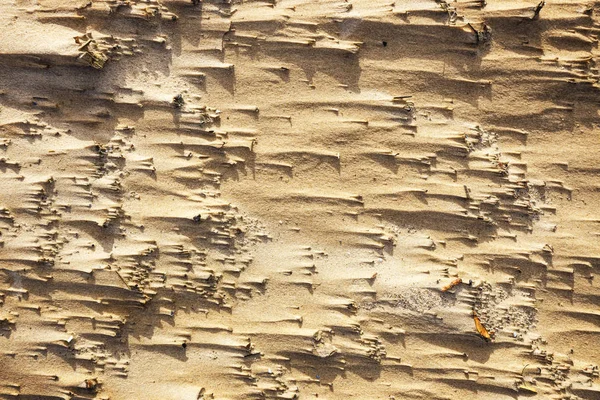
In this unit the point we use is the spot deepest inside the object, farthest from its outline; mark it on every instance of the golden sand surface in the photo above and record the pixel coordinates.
(299, 199)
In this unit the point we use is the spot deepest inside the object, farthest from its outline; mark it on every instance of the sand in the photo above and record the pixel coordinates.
(299, 199)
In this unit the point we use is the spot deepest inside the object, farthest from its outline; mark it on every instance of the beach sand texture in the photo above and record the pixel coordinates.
(299, 199)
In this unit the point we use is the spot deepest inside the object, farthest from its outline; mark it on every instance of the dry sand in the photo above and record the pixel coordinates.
(303, 199)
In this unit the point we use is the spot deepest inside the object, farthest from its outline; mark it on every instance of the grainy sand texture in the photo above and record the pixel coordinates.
(299, 199)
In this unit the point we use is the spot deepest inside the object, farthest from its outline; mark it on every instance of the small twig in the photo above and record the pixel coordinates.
(523, 371)
(538, 8)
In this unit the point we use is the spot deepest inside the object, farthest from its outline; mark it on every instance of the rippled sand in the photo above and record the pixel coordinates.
(299, 199)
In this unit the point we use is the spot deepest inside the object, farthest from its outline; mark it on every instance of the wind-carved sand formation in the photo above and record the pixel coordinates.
(299, 199)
